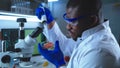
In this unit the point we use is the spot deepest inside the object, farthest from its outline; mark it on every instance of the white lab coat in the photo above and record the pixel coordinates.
(97, 48)
(66, 44)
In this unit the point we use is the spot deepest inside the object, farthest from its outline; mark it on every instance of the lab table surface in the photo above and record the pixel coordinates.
(38, 62)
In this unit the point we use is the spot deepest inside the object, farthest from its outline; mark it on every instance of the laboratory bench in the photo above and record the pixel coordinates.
(36, 62)
(39, 62)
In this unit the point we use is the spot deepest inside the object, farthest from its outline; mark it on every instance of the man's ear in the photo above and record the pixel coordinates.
(94, 18)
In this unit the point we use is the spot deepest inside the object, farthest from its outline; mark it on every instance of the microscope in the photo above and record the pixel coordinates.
(25, 44)
(24, 47)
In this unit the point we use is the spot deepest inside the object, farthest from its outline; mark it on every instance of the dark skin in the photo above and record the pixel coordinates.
(76, 31)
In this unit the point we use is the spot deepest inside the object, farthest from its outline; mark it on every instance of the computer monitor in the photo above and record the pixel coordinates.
(10, 37)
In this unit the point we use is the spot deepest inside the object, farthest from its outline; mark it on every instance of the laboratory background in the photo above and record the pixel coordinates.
(20, 14)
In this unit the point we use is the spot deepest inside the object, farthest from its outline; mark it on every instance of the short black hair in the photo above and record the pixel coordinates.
(85, 6)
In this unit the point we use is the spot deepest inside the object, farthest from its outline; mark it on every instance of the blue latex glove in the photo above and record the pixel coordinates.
(54, 56)
(40, 11)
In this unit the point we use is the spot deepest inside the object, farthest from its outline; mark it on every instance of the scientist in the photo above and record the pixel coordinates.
(94, 47)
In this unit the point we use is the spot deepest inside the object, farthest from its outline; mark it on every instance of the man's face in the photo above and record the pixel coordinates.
(74, 30)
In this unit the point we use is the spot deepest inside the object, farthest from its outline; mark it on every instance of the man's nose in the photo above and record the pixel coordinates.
(68, 26)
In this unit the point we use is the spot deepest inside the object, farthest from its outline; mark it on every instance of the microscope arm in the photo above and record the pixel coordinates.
(30, 39)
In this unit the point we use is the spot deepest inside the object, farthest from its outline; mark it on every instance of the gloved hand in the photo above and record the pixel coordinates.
(43, 10)
(54, 56)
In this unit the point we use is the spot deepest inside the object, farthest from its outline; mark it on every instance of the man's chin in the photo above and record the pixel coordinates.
(75, 39)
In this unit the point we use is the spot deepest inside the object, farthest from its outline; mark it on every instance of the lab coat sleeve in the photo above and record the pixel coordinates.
(53, 34)
(98, 58)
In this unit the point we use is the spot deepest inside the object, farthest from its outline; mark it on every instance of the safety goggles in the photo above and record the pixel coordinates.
(72, 21)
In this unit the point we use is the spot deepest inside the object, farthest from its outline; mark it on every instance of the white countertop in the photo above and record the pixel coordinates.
(38, 62)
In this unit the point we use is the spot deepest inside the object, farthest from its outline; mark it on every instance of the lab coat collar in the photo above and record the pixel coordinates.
(93, 30)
